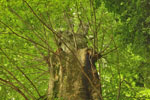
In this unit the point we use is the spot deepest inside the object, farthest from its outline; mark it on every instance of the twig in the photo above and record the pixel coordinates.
(21, 72)
(14, 87)
(118, 95)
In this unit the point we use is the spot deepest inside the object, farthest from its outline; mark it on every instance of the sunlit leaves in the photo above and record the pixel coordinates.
(121, 24)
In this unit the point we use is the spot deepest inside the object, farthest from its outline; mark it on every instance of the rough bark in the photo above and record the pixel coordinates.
(74, 76)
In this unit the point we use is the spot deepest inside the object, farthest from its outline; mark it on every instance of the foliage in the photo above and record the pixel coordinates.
(122, 30)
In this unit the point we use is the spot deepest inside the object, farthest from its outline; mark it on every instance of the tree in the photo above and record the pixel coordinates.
(72, 50)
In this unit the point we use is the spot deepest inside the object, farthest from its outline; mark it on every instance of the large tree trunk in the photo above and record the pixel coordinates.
(73, 76)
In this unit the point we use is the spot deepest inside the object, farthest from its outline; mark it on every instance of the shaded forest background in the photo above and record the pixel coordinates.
(121, 32)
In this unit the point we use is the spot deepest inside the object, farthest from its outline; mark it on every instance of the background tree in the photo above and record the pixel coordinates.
(66, 49)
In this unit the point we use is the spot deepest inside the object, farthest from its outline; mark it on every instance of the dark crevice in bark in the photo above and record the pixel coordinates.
(72, 84)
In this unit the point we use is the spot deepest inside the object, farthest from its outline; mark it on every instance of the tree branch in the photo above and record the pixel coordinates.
(14, 87)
